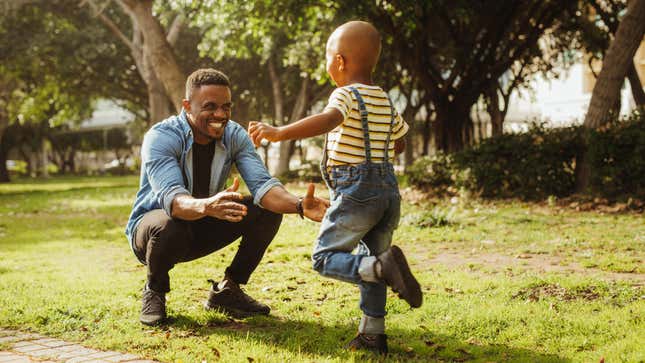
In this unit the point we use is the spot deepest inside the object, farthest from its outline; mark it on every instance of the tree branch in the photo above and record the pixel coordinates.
(98, 12)
(175, 29)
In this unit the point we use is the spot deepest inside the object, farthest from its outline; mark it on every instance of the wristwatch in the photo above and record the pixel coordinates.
(299, 209)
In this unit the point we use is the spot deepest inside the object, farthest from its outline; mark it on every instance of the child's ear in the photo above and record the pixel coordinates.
(340, 60)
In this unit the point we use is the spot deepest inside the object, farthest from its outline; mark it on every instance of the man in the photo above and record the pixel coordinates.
(181, 211)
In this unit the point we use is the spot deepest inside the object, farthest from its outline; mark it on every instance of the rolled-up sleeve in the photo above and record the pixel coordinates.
(251, 168)
(160, 155)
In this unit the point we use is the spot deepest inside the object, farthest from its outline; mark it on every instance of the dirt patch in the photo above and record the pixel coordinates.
(535, 293)
(533, 262)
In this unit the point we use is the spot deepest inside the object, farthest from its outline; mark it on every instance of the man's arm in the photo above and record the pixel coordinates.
(222, 205)
(310, 126)
(279, 200)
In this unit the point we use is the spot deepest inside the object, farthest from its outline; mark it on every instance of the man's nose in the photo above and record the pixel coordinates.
(219, 113)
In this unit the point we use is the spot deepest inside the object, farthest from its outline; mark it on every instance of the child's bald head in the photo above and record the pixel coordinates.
(359, 43)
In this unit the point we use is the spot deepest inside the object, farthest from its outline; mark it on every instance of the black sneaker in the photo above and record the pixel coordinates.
(153, 307)
(233, 300)
(376, 343)
(396, 273)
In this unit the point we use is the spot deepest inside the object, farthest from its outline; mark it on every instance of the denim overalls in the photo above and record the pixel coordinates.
(364, 211)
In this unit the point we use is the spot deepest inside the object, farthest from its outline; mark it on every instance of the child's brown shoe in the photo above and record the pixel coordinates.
(396, 273)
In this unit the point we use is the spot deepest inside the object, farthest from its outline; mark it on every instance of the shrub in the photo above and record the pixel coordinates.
(540, 163)
(530, 165)
(435, 172)
(617, 157)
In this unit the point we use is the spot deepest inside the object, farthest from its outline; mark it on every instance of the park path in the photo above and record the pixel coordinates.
(28, 347)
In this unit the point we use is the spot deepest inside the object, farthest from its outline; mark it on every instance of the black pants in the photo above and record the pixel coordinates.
(161, 242)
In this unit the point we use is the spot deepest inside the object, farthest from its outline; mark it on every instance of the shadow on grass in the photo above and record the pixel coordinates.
(415, 344)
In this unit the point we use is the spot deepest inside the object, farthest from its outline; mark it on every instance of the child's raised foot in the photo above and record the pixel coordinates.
(396, 273)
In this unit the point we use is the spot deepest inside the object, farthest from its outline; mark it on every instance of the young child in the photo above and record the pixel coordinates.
(361, 126)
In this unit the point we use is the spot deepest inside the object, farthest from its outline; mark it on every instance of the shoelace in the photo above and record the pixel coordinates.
(150, 305)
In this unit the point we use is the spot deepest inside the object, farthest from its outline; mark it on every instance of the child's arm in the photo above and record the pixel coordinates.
(313, 125)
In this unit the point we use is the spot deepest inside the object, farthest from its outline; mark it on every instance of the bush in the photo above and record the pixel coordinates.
(616, 154)
(435, 172)
(540, 163)
(530, 165)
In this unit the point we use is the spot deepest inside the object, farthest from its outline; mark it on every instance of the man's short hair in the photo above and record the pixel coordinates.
(205, 76)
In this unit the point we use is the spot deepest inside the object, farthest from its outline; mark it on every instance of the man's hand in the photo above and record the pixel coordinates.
(259, 131)
(314, 208)
(223, 205)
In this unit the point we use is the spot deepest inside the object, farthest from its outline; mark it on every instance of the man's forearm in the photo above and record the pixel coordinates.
(187, 207)
(279, 200)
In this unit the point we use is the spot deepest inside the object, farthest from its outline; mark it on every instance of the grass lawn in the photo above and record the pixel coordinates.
(503, 281)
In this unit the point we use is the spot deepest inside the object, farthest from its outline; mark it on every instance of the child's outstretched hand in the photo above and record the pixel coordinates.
(259, 131)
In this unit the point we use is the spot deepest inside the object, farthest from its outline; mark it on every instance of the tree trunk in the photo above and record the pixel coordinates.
(408, 153)
(276, 89)
(453, 128)
(496, 117)
(159, 106)
(4, 173)
(278, 104)
(615, 65)
(287, 147)
(44, 160)
(157, 47)
(606, 91)
(428, 127)
(636, 86)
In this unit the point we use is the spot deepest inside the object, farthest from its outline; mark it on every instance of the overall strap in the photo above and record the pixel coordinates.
(366, 130)
(386, 151)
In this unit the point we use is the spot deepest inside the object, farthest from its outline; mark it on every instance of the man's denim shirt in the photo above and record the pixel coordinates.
(167, 167)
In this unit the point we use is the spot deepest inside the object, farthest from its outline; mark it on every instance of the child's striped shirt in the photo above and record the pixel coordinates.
(345, 143)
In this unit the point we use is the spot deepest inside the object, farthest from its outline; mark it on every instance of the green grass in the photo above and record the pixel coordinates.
(66, 271)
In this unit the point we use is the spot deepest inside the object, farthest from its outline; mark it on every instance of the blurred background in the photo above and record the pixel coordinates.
(82, 80)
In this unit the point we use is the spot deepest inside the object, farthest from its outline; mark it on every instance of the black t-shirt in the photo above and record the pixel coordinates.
(202, 159)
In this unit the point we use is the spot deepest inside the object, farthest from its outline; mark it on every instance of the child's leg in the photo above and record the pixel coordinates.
(341, 230)
(373, 290)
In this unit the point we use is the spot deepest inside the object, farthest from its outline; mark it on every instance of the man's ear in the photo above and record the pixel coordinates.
(341, 62)
(186, 104)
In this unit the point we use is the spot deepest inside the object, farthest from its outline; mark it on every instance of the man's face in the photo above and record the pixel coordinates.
(208, 111)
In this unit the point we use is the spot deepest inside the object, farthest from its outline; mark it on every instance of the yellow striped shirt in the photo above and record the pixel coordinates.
(345, 143)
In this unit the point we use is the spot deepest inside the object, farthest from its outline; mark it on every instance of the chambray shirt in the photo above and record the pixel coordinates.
(167, 166)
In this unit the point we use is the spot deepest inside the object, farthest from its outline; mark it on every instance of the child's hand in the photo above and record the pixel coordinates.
(259, 131)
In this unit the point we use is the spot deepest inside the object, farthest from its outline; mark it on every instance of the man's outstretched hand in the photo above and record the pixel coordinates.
(225, 204)
(313, 207)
